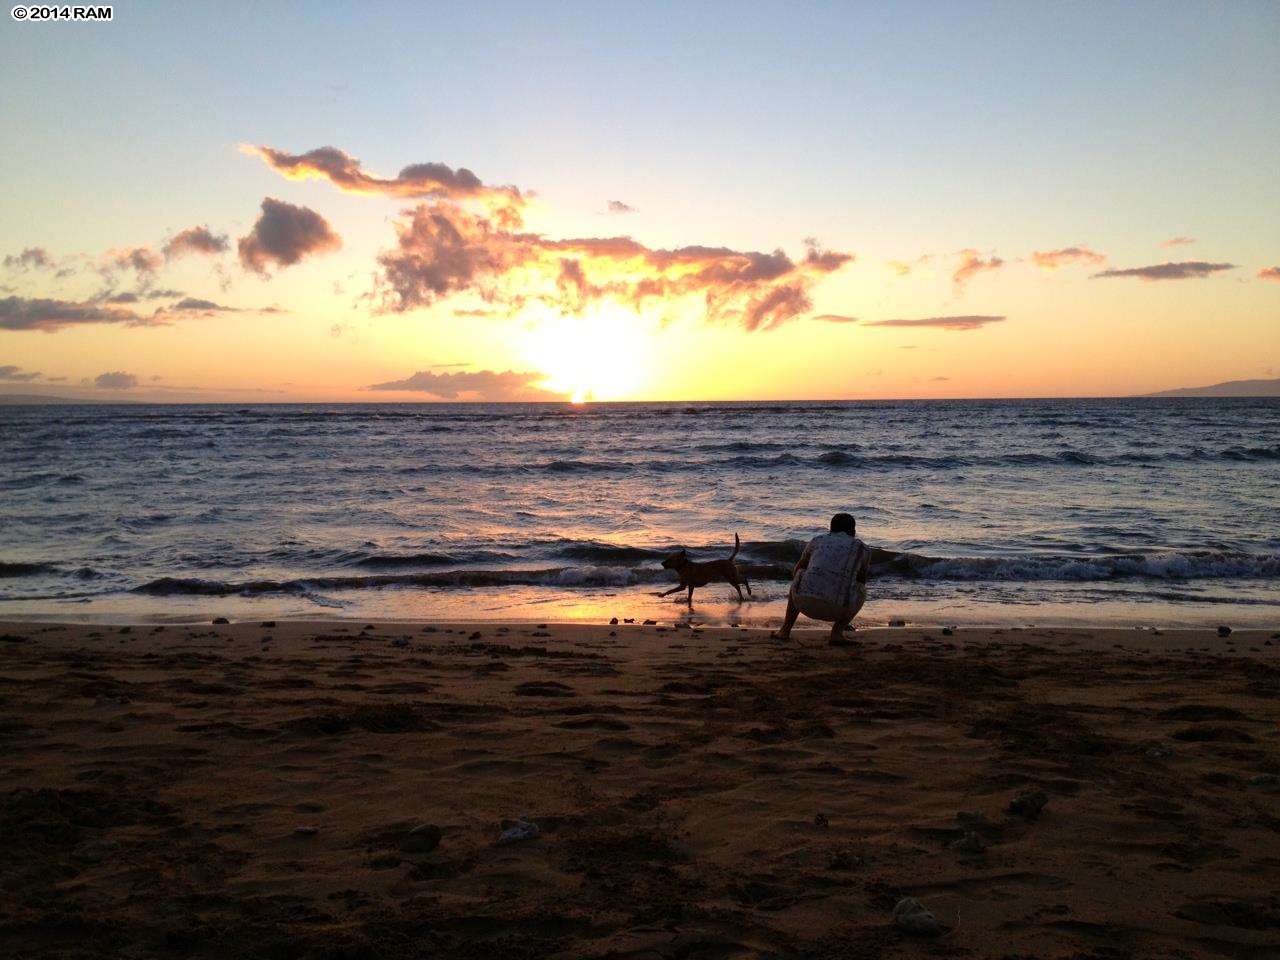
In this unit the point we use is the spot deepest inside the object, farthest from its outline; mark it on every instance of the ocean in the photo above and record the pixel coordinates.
(1143, 511)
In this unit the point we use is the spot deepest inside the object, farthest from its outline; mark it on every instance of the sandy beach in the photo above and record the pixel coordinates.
(339, 789)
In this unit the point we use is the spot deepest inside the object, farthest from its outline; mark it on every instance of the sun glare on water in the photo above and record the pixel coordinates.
(602, 355)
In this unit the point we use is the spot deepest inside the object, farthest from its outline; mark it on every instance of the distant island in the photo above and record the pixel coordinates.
(1231, 388)
(25, 398)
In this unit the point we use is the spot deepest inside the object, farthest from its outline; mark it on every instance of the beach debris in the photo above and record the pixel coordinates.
(897, 623)
(1224, 631)
(948, 631)
(515, 831)
(820, 820)
(911, 916)
(1029, 804)
(613, 633)
(628, 619)
(475, 635)
(306, 831)
(649, 623)
(613, 621)
(1158, 753)
(969, 843)
(400, 642)
(268, 624)
(421, 839)
(218, 620)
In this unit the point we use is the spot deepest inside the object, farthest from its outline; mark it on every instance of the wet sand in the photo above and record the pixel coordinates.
(253, 790)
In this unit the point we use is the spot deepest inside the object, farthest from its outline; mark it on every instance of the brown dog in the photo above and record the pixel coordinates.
(693, 574)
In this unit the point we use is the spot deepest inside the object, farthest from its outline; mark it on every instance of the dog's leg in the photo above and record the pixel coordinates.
(739, 589)
(676, 589)
(748, 586)
(690, 599)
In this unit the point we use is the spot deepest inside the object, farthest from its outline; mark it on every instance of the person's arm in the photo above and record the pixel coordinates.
(803, 562)
(864, 564)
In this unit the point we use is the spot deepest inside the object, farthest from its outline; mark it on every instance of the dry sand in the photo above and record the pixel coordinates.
(699, 794)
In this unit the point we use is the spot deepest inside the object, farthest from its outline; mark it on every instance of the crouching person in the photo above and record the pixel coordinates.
(829, 582)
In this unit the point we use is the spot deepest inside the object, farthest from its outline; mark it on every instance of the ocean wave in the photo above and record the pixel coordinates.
(893, 566)
(30, 569)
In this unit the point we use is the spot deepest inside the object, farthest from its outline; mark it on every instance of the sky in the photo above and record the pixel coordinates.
(386, 202)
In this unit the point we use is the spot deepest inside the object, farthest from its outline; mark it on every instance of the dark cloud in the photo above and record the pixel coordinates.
(116, 380)
(1178, 241)
(137, 296)
(143, 260)
(478, 384)
(197, 240)
(1053, 259)
(617, 206)
(192, 303)
(21, 313)
(971, 264)
(283, 235)
(32, 258)
(15, 374)
(942, 323)
(835, 318)
(1269, 273)
(1184, 270)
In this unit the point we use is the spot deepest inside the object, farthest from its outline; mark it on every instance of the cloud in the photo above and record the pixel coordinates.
(943, 323)
(899, 267)
(417, 181)
(143, 260)
(21, 313)
(1053, 259)
(196, 240)
(32, 258)
(116, 380)
(283, 235)
(1184, 270)
(444, 249)
(835, 318)
(1178, 241)
(1269, 273)
(939, 379)
(136, 296)
(972, 264)
(478, 384)
(617, 206)
(15, 374)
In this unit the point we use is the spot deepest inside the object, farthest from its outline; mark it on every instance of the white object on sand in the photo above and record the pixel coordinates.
(522, 829)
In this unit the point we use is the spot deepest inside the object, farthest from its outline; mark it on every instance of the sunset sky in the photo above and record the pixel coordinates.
(382, 202)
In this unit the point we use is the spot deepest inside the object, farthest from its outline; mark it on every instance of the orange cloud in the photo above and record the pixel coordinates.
(417, 181)
(972, 264)
(445, 250)
(1178, 241)
(835, 318)
(1269, 273)
(473, 385)
(1053, 259)
(971, 322)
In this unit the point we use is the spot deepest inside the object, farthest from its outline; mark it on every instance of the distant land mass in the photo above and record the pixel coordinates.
(24, 398)
(1231, 388)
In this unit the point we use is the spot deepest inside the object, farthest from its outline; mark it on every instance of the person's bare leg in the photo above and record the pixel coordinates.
(837, 632)
(789, 621)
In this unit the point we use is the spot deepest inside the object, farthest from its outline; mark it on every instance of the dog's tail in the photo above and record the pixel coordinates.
(736, 544)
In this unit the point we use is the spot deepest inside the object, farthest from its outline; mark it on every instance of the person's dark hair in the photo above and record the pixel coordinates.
(843, 523)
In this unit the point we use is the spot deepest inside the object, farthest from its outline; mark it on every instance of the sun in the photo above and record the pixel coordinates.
(605, 354)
